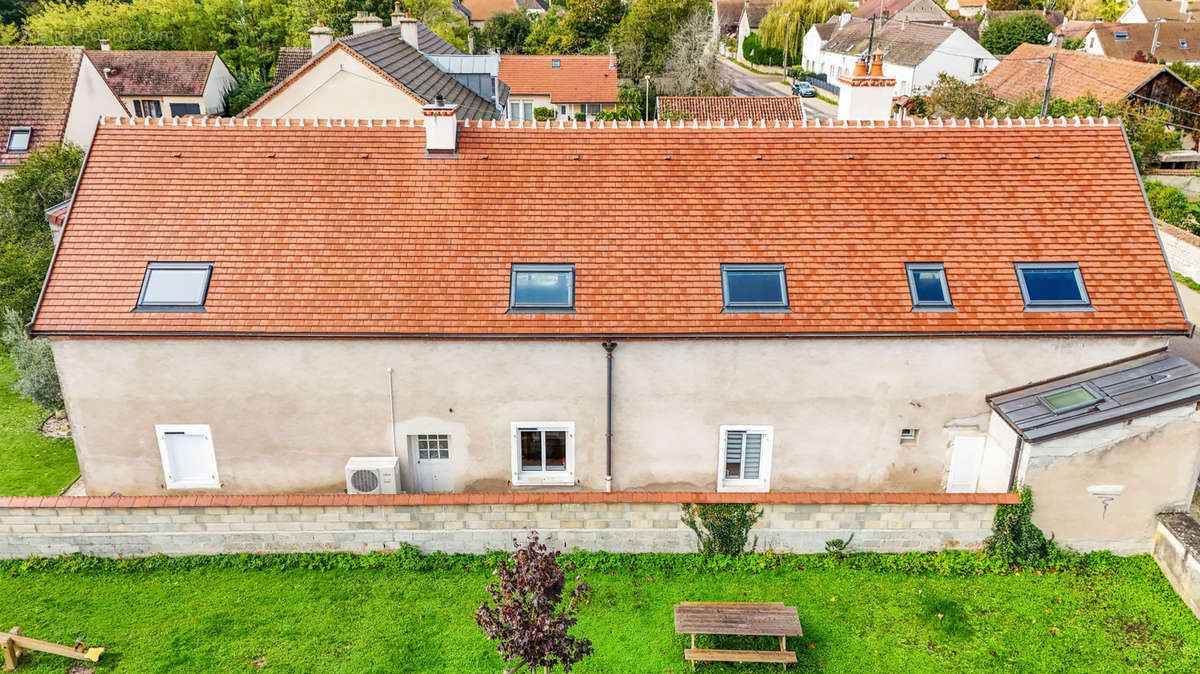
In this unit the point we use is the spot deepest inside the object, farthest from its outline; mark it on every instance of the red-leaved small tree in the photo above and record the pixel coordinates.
(531, 615)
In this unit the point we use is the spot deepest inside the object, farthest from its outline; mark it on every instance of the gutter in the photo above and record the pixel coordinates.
(589, 336)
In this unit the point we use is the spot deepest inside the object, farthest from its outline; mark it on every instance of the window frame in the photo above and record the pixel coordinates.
(564, 478)
(525, 308)
(161, 431)
(143, 306)
(140, 104)
(1097, 396)
(763, 482)
(12, 132)
(754, 307)
(919, 305)
(1084, 304)
(171, 108)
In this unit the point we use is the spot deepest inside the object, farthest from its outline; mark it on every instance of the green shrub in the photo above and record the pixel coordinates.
(838, 547)
(722, 528)
(1072, 43)
(619, 114)
(544, 114)
(37, 379)
(581, 117)
(1171, 205)
(1014, 535)
(754, 51)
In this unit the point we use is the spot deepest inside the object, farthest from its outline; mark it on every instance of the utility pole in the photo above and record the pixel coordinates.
(871, 39)
(787, 25)
(1049, 78)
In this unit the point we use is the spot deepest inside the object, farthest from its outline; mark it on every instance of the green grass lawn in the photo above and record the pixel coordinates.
(368, 620)
(30, 463)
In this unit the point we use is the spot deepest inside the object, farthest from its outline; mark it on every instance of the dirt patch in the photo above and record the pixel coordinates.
(81, 669)
(57, 425)
(259, 662)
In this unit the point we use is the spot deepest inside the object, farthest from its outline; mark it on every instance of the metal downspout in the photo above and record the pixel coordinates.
(1016, 464)
(608, 345)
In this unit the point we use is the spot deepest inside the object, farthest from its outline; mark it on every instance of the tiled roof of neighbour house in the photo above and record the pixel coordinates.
(1130, 388)
(348, 229)
(155, 73)
(482, 10)
(1167, 10)
(902, 44)
(728, 14)
(825, 30)
(577, 79)
(968, 26)
(290, 60)
(408, 68)
(1171, 36)
(38, 84)
(755, 11)
(1077, 29)
(1076, 74)
(881, 8)
(733, 107)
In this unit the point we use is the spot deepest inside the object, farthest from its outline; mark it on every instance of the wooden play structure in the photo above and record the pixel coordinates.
(15, 645)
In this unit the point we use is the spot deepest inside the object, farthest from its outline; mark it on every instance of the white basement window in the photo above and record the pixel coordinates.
(175, 286)
(543, 453)
(188, 459)
(744, 458)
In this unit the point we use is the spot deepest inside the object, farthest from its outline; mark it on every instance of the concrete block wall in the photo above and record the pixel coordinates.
(33, 527)
(1182, 249)
(1177, 551)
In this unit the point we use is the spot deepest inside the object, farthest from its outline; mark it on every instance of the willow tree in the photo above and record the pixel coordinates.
(793, 18)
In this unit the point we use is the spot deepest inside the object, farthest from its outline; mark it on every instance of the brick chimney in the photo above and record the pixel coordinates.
(441, 129)
(365, 22)
(320, 37)
(866, 94)
(408, 27)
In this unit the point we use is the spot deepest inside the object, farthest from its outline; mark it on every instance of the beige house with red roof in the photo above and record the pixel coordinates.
(502, 307)
(50, 95)
(166, 83)
(571, 85)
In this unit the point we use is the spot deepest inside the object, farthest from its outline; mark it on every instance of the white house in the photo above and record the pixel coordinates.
(50, 95)
(753, 13)
(966, 7)
(1149, 11)
(914, 54)
(1163, 41)
(159, 83)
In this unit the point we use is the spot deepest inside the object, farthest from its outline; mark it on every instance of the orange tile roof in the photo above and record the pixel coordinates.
(578, 79)
(734, 107)
(1076, 74)
(351, 230)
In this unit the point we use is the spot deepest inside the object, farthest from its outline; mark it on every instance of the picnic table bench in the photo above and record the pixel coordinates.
(738, 618)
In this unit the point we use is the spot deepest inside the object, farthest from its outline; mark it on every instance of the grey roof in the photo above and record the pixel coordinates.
(1130, 388)
(827, 29)
(903, 44)
(390, 53)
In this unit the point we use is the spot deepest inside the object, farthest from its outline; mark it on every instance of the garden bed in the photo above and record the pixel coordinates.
(241, 613)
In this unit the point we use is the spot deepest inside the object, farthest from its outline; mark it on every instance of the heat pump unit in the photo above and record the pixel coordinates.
(372, 475)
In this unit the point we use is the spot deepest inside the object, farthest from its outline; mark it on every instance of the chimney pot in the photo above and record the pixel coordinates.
(319, 37)
(365, 22)
(104, 46)
(441, 128)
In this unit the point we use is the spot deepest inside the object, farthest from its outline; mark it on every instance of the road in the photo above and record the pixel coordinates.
(746, 83)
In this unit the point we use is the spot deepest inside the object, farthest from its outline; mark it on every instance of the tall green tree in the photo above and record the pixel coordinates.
(506, 31)
(1003, 34)
(644, 36)
(549, 34)
(591, 21)
(9, 34)
(791, 19)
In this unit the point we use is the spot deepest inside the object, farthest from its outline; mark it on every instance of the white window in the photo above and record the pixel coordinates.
(966, 458)
(543, 453)
(520, 111)
(744, 458)
(187, 456)
(592, 110)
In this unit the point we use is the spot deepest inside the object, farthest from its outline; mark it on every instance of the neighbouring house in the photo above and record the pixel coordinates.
(866, 93)
(727, 15)
(1022, 75)
(571, 85)
(1073, 30)
(914, 54)
(50, 95)
(716, 108)
(753, 12)
(815, 38)
(381, 73)
(1161, 42)
(911, 10)
(486, 308)
(1149, 11)
(477, 12)
(163, 83)
(966, 7)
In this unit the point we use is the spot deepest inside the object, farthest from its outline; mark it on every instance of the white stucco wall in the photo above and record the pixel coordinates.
(286, 414)
(220, 82)
(93, 99)
(340, 86)
(955, 57)
(810, 50)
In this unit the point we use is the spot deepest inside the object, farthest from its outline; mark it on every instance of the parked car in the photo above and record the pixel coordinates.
(803, 89)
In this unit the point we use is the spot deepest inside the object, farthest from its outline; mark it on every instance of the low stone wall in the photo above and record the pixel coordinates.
(1182, 249)
(618, 522)
(1177, 551)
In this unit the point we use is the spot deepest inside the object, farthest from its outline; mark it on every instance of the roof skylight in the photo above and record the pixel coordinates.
(542, 287)
(754, 287)
(175, 286)
(1071, 398)
(1052, 285)
(927, 285)
(18, 139)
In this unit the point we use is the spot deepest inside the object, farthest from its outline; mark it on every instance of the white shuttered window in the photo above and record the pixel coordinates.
(745, 456)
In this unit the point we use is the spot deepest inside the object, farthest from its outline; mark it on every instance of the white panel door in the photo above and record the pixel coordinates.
(431, 460)
(966, 456)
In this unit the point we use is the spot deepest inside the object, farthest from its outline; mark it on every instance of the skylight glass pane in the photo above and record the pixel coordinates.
(1052, 284)
(18, 140)
(928, 285)
(1068, 399)
(543, 286)
(182, 285)
(754, 286)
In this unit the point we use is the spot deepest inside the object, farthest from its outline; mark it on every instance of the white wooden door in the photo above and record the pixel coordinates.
(966, 457)
(431, 462)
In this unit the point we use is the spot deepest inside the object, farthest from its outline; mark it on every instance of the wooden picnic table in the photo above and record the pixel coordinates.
(771, 619)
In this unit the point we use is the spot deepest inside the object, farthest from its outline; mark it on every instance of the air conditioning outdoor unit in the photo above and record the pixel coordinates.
(372, 475)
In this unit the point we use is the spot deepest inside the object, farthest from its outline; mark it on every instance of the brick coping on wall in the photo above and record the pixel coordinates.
(218, 500)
